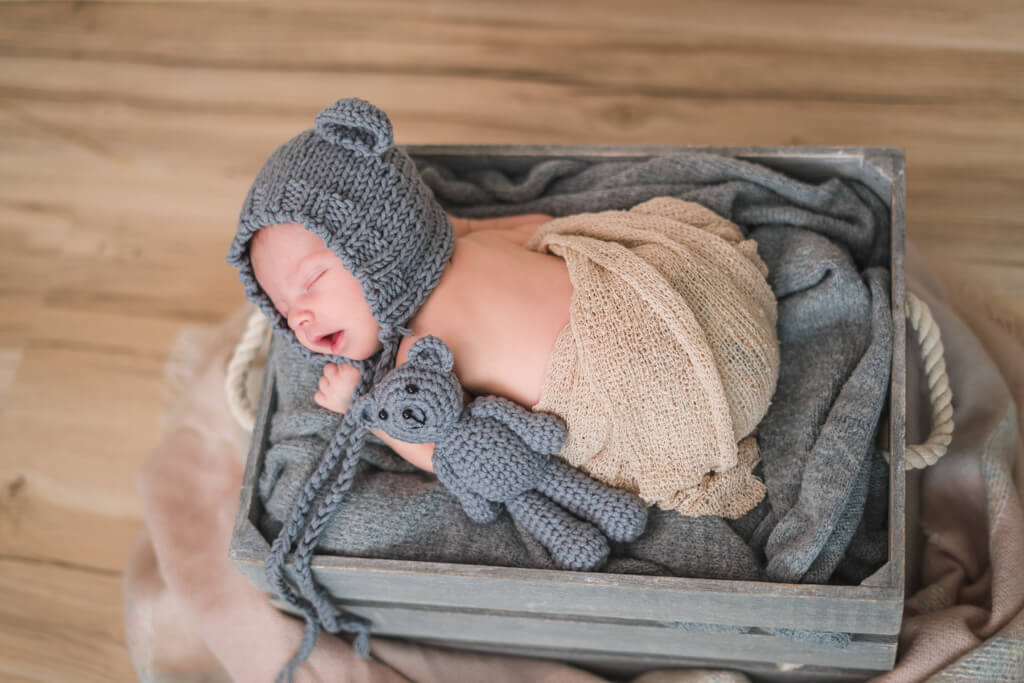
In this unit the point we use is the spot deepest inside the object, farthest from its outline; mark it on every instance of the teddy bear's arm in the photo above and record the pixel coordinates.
(542, 432)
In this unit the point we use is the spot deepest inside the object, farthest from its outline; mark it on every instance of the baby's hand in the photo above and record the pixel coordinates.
(336, 387)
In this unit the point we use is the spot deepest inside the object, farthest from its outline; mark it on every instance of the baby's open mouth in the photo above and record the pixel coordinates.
(332, 340)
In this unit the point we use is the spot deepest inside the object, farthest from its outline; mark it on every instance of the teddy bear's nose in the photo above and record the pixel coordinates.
(414, 414)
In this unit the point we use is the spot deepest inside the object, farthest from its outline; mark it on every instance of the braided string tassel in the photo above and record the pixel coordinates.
(312, 603)
(308, 642)
(315, 603)
(320, 599)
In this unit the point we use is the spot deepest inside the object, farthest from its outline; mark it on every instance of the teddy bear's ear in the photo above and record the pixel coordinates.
(431, 352)
(356, 125)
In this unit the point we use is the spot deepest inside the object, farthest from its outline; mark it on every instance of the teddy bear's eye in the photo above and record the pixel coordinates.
(383, 414)
(411, 388)
(407, 414)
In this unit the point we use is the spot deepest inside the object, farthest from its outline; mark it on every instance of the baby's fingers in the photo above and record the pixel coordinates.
(321, 400)
(336, 386)
(328, 396)
(345, 376)
(325, 383)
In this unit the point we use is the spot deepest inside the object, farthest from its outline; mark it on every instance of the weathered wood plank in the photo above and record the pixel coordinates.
(602, 596)
(625, 641)
(609, 664)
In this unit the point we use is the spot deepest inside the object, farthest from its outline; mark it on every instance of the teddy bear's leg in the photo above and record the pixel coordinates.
(572, 542)
(620, 514)
(477, 508)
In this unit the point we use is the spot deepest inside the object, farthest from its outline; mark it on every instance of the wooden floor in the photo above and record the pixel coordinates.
(129, 134)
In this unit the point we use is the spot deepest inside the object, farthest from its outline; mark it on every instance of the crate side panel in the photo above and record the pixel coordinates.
(247, 543)
(839, 608)
(627, 666)
(619, 638)
(898, 387)
(809, 164)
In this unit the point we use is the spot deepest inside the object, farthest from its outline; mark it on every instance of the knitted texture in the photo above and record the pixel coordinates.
(670, 357)
(311, 600)
(346, 182)
(495, 453)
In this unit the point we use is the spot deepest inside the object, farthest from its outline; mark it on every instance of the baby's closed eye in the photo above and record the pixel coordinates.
(315, 278)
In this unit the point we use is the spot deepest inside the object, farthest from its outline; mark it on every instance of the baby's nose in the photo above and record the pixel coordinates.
(299, 318)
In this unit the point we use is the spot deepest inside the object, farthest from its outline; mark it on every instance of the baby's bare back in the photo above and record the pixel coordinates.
(500, 308)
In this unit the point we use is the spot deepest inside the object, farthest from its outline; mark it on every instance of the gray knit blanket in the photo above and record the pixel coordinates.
(824, 518)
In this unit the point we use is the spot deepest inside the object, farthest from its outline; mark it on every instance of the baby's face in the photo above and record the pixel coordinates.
(321, 300)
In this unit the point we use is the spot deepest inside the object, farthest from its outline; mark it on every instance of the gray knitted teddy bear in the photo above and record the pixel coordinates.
(494, 452)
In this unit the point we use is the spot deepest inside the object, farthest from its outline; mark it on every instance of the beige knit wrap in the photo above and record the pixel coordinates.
(670, 356)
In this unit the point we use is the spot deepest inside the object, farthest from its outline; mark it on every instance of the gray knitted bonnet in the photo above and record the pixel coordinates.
(346, 182)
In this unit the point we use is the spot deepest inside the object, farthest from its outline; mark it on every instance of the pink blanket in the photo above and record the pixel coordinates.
(190, 617)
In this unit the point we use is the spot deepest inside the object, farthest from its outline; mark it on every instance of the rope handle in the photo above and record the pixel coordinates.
(917, 456)
(246, 352)
(940, 396)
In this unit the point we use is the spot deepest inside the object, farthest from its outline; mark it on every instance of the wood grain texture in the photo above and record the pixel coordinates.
(129, 133)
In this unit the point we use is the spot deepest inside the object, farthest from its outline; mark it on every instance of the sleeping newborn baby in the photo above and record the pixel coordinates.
(650, 332)
(497, 306)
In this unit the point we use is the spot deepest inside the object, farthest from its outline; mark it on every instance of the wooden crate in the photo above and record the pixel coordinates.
(626, 623)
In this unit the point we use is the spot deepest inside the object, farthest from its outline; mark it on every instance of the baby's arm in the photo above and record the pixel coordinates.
(419, 454)
(335, 394)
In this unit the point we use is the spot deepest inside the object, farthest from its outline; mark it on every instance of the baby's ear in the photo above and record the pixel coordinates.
(431, 352)
(356, 125)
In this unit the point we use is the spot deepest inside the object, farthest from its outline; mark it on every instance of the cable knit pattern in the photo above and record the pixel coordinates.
(495, 452)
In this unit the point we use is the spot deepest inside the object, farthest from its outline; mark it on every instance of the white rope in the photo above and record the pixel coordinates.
(247, 350)
(939, 394)
(917, 456)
